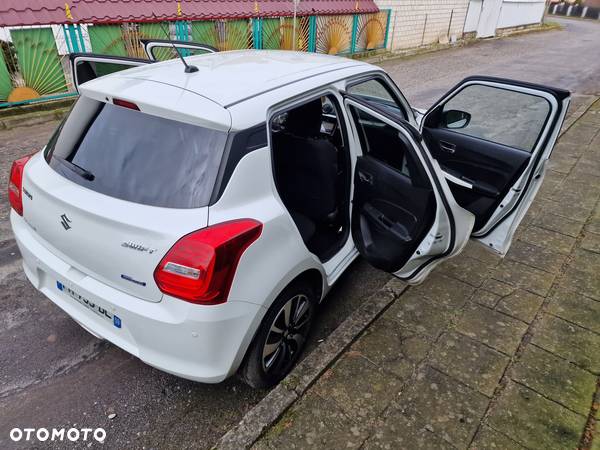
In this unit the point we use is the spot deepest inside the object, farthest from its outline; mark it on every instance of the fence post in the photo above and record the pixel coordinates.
(312, 34)
(424, 28)
(73, 38)
(387, 28)
(354, 33)
(257, 32)
(181, 30)
(69, 49)
(81, 40)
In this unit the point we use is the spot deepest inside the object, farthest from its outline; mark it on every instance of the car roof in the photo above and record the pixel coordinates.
(226, 79)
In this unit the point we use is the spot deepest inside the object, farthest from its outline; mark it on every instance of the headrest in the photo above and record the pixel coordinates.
(305, 120)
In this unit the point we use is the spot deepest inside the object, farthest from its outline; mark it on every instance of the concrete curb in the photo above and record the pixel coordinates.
(31, 119)
(303, 376)
(586, 104)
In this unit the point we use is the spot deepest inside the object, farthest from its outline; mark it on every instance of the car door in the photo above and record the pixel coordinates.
(88, 66)
(493, 138)
(404, 219)
(163, 49)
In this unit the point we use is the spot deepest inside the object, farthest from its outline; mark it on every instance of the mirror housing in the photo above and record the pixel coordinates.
(454, 119)
(328, 108)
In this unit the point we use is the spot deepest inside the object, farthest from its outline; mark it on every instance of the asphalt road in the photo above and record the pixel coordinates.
(54, 374)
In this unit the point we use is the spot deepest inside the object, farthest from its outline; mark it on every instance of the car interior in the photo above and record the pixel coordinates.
(311, 166)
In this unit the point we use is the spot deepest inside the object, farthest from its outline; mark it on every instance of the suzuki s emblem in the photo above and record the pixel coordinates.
(65, 221)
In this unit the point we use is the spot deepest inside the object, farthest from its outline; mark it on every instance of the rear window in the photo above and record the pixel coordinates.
(137, 157)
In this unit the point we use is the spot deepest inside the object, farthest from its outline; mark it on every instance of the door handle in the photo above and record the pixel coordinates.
(447, 147)
(457, 180)
(397, 229)
(365, 177)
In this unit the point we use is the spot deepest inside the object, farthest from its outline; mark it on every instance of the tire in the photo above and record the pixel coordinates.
(279, 343)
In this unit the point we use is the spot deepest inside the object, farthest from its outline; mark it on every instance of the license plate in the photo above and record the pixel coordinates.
(94, 307)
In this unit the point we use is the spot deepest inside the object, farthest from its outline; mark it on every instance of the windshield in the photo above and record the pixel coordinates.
(137, 157)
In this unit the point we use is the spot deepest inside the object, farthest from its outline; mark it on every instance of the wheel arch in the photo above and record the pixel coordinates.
(312, 276)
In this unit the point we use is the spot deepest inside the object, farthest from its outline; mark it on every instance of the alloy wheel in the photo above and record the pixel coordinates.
(287, 335)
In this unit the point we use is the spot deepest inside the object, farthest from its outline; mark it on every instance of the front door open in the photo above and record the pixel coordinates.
(493, 138)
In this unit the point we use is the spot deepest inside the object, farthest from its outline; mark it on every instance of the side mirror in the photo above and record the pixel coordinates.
(328, 108)
(454, 119)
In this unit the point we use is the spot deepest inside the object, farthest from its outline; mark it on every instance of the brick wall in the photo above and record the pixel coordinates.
(423, 22)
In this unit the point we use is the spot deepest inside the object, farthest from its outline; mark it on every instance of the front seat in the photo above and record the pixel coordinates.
(307, 163)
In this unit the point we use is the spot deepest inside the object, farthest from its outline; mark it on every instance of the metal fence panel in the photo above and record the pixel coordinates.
(40, 66)
(107, 39)
(5, 80)
(223, 34)
(278, 33)
(334, 34)
(371, 31)
(37, 69)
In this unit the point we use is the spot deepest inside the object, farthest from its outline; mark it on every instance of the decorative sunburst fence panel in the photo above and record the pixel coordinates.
(224, 34)
(334, 34)
(370, 31)
(39, 70)
(107, 40)
(5, 80)
(279, 34)
(33, 63)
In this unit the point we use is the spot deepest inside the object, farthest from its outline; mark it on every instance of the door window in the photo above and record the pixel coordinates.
(383, 142)
(376, 92)
(506, 117)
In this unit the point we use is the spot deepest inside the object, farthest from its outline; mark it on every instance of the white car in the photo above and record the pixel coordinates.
(195, 218)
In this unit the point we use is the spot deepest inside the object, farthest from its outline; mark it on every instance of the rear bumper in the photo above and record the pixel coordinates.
(200, 343)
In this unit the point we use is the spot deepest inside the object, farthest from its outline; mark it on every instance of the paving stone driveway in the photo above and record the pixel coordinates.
(488, 352)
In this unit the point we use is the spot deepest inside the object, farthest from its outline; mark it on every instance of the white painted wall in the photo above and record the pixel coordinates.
(515, 13)
(473, 16)
(488, 20)
(423, 22)
(502, 13)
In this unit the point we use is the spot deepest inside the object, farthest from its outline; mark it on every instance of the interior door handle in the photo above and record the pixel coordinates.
(365, 177)
(456, 180)
(396, 228)
(447, 147)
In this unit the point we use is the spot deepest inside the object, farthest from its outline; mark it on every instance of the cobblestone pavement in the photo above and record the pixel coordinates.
(488, 353)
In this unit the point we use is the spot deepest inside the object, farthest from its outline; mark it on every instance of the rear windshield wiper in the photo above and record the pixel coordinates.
(83, 173)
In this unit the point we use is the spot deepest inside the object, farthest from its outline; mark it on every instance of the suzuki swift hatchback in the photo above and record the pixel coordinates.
(196, 218)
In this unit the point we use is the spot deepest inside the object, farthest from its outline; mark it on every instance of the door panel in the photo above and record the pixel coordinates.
(88, 66)
(163, 49)
(492, 137)
(490, 168)
(404, 218)
(390, 215)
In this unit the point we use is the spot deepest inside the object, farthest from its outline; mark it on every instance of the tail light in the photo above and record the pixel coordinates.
(15, 184)
(200, 267)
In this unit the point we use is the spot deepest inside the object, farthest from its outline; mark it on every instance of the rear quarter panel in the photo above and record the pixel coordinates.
(278, 256)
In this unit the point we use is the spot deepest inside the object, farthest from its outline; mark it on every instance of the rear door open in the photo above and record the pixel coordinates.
(404, 218)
